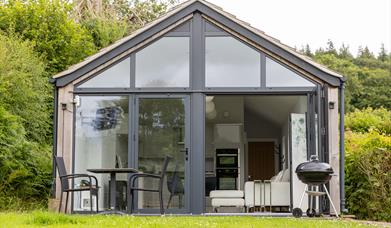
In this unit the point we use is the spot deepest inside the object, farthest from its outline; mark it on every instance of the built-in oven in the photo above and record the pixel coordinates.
(227, 158)
(227, 169)
(226, 178)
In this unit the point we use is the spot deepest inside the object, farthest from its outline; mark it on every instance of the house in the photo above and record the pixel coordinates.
(230, 105)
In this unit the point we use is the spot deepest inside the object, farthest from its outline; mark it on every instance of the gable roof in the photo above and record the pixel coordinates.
(211, 11)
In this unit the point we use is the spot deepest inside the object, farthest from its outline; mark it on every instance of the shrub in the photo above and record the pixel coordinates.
(369, 119)
(25, 172)
(59, 38)
(24, 167)
(24, 91)
(368, 174)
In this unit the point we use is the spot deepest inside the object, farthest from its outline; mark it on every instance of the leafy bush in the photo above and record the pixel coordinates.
(59, 38)
(24, 125)
(368, 164)
(24, 91)
(369, 119)
(24, 167)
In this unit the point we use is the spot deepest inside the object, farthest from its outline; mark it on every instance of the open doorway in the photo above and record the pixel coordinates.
(248, 141)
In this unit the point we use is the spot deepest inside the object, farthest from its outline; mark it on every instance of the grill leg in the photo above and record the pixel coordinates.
(331, 202)
(66, 203)
(302, 196)
(59, 207)
(311, 199)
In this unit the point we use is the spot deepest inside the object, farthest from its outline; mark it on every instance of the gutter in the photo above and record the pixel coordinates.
(342, 145)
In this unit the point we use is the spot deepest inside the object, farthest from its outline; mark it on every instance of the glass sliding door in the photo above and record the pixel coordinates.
(101, 141)
(162, 130)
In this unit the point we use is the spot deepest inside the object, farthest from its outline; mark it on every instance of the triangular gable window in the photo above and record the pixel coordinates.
(278, 75)
(117, 76)
(231, 63)
(164, 63)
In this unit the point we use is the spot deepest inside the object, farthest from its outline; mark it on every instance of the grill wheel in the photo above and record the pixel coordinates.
(311, 213)
(297, 212)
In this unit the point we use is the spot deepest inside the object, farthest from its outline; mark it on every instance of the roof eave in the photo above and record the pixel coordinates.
(216, 13)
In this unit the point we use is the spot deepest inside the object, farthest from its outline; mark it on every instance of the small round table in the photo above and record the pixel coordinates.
(113, 184)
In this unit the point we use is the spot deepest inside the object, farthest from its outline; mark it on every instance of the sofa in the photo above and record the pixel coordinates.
(268, 193)
(227, 198)
(263, 193)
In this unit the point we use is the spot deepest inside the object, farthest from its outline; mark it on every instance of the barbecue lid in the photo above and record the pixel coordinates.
(314, 166)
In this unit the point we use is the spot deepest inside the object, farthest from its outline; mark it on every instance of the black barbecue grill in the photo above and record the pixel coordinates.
(313, 173)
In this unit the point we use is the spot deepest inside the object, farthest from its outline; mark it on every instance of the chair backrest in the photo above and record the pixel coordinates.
(165, 165)
(62, 171)
(174, 184)
(253, 190)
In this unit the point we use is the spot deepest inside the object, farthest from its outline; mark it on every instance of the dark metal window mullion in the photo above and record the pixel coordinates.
(263, 70)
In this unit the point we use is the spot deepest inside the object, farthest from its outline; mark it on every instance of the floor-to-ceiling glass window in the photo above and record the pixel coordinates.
(101, 141)
(162, 133)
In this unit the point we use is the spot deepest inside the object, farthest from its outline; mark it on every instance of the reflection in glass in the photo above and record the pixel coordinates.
(279, 76)
(230, 63)
(164, 63)
(101, 141)
(299, 150)
(162, 133)
(117, 76)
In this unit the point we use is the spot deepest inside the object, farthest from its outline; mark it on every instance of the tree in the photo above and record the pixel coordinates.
(330, 48)
(344, 52)
(109, 21)
(24, 124)
(24, 92)
(368, 79)
(56, 36)
(306, 50)
(383, 56)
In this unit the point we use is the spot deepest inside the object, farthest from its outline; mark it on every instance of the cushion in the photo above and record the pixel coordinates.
(277, 178)
(228, 202)
(285, 176)
(226, 194)
(249, 193)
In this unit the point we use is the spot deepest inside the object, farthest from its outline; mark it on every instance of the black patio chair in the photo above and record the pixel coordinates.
(175, 187)
(65, 186)
(132, 185)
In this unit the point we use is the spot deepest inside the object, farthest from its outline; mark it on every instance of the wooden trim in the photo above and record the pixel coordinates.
(333, 141)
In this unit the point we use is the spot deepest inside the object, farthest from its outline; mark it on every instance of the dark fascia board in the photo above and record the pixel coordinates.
(65, 80)
(232, 25)
(222, 19)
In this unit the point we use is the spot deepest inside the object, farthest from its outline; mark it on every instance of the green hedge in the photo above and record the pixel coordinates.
(368, 164)
(25, 166)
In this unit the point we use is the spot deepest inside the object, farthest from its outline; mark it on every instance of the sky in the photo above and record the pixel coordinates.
(300, 22)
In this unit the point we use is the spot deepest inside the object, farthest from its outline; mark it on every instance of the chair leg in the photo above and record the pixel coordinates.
(131, 201)
(161, 201)
(169, 201)
(96, 204)
(59, 206)
(91, 208)
(66, 203)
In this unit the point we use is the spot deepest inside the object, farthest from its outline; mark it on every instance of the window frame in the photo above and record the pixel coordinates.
(96, 74)
(197, 81)
(213, 34)
(288, 68)
(151, 89)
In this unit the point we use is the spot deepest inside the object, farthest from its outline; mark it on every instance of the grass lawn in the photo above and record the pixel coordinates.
(39, 219)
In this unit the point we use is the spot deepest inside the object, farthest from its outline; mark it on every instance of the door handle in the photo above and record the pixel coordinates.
(186, 151)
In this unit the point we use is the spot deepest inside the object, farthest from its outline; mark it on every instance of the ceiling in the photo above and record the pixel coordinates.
(273, 108)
